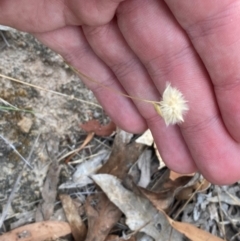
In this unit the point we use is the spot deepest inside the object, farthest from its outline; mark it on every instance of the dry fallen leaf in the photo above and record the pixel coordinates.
(147, 139)
(192, 232)
(123, 156)
(102, 216)
(49, 193)
(162, 200)
(78, 228)
(83, 170)
(116, 238)
(98, 129)
(141, 215)
(144, 165)
(41, 231)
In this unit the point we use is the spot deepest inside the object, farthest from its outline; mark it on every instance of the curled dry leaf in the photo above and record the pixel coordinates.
(162, 200)
(98, 129)
(41, 231)
(192, 184)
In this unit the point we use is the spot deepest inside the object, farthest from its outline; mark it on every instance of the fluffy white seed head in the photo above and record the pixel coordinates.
(173, 105)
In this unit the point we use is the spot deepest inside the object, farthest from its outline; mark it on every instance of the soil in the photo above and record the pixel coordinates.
(55, 119)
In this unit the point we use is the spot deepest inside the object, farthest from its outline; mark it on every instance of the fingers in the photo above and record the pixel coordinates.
(72, 45)
(43, 16)
(169, 56)
(134, 78)
(214, 30)
(93, 12)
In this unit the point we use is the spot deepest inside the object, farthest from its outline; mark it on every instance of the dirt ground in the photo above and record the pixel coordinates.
(55, 118)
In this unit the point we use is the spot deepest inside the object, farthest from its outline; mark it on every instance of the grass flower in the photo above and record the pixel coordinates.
(173, 106)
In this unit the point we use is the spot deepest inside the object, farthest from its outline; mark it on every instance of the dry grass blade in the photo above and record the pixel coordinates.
(50, 91)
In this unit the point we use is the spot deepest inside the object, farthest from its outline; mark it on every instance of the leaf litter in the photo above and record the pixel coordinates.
(161, 195)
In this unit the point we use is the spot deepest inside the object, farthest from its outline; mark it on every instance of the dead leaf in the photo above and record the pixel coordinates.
(144, 162)
(123, 156)
(83, 170)
(102, 216)
(49, 193)
(78, 228)
(192, 232)
(162, 200)
(117, 238)
(141, 215)
(41, 231)
(147, 139)
(98, 129)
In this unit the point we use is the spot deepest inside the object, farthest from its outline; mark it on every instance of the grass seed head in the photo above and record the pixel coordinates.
(173, 105)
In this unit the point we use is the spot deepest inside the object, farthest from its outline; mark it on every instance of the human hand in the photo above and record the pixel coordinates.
(194, 47)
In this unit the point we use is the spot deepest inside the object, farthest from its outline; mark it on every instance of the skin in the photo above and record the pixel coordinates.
(136, 46)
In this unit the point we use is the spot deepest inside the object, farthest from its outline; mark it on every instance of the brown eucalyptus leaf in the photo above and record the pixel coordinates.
(49, 193)
(78, 228)
(102, 216)
(41, 231)
(99, 129)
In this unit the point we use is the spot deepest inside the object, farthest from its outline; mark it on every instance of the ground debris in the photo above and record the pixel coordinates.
(40, 231)
(78, 228)
(49, 193)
